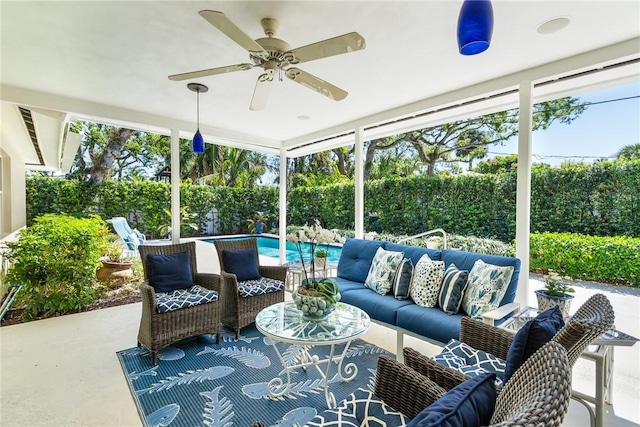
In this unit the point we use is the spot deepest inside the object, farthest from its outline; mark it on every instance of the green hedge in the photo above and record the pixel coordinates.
(593, 258)
(598, 199)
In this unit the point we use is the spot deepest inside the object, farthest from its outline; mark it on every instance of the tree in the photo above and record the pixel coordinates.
(466, 140)
(629, 152)
(499, 164)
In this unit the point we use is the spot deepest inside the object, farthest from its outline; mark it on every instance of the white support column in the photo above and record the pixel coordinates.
(175, 185)
(523, 193)
(282, 224)
(359, 183)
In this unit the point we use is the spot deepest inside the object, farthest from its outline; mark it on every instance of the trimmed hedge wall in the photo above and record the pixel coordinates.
(594, 258)
(598, 199)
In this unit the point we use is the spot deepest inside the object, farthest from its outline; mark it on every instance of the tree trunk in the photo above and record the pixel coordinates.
(103, 163)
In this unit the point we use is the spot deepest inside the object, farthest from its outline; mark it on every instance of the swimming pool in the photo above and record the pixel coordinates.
(270, 246)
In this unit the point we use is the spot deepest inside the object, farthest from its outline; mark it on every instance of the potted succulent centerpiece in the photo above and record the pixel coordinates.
(556, 292)
(316, 297)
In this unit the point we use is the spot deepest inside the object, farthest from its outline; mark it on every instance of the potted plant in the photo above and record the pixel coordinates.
(258, 223)
(317, 297)
(112, 259)
(556, 292)
(321, 258)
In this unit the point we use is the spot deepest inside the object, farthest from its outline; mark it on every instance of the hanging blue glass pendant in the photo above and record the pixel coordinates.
(475, 26)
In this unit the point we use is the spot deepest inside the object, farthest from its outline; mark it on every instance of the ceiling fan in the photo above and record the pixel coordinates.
(275, 57)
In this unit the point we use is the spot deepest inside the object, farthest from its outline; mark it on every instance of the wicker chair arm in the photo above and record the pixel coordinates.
(487, 338)
(275, 272)
(209, 281)
(445, 377)
(404, 389)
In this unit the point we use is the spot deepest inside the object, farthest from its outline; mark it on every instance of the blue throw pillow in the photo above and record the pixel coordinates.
(170, 272)
(454, 283)
(533, 335)
(468, 404)
(402, 281)
(242, 263)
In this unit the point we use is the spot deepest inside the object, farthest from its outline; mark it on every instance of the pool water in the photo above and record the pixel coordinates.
(270, 246)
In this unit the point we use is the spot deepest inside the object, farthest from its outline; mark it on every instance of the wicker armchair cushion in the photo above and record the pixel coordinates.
(402, 281)
(454, 283)
(170, 272)
(263, 285)
(183, 298)
(469, 404)
(533, 335)
(242, 263)
(356, 408)
(471, 362)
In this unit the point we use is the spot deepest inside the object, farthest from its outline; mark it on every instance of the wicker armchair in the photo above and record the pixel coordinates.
(238, 311)
(158, 330)
(537, 394)
(591, 320)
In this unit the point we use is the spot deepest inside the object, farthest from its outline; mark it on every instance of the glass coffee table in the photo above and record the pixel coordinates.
(283, 323)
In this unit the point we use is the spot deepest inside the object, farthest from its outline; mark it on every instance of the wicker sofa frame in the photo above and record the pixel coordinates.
(238, 312)
(158, 330)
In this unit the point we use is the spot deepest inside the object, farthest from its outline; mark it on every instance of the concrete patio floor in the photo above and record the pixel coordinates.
(64, 371)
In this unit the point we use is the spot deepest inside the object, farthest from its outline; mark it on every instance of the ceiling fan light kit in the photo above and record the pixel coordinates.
(475, 26)
(275, 57)
(198, 141)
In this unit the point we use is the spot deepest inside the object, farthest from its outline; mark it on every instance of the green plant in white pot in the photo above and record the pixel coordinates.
(556, 291)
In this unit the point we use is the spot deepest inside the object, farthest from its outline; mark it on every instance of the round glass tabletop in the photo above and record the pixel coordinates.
(284, 322)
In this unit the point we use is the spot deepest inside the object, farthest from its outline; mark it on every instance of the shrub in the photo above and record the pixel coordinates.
(55, 260)
(594, 258)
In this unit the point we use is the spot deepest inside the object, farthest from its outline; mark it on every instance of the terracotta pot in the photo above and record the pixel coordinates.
(106, 272)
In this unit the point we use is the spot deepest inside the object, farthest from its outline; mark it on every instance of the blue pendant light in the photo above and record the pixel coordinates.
(198, 141)
(475, 26)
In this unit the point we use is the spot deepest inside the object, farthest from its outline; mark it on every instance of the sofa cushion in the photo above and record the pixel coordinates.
(466, 359)
(414, 253)
(243, 263)
(427, 278)
(184, 298)
(402, 281)
(486, 287)
(465, 260)
(432, 323)
(358, 409)
(355, 259)
(452, 290)
(345, 285)
(170, 272)
(379, 307)
(533, 335)
(468, 404)
(261, 286)
(383, 271)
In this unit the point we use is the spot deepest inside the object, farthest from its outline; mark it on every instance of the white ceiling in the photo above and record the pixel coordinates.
(110, 59)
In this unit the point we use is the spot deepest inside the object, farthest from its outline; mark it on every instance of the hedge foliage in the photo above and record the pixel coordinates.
(593, 199)
(594, 258)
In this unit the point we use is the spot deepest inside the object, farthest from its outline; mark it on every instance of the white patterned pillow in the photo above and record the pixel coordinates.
(427, 277)
(383, 270)
(486, 287)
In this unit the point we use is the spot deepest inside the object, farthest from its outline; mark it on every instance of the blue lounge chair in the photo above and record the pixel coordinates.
(132, 238)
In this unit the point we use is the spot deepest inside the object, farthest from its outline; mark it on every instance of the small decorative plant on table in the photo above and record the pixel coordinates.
(317, 297)
(556, 292)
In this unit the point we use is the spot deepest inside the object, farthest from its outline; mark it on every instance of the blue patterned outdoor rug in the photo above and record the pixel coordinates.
(199, 383)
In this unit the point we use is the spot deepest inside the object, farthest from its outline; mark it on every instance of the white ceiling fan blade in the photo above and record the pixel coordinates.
(316, 84)
(261, 92)
(221, 22)
(210, 72)
(330, 47)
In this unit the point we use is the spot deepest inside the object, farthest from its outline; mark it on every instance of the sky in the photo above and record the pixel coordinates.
(600, 132)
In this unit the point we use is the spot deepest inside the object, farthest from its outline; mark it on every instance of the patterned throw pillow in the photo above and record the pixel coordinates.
(383, 270)
(486, 286)
(402, 281)
(466, 359)
(427, 277)
(453, 285)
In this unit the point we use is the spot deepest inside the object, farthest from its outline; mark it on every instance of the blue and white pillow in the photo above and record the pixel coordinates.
(486, 287)
(402, 281)
(454, 284)
(427, 278)
(466, 359)
(383, 270)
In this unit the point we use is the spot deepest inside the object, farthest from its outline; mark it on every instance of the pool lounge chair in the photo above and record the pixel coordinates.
(131, 238)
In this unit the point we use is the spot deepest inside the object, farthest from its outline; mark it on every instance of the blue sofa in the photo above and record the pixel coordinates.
(405, 316)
